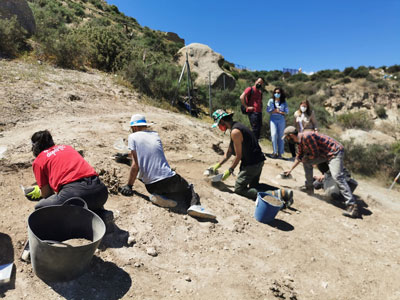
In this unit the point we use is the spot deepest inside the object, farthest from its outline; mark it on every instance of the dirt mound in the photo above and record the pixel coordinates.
(309, 251)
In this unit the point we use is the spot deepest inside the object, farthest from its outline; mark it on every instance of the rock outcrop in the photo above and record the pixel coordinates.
(172, 36)
(203, 60)
(21, 9)
(350, 98)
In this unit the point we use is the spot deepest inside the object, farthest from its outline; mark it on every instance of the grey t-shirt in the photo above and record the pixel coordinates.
(153, 165)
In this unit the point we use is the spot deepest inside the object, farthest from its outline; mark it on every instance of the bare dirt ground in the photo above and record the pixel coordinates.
(309, 252)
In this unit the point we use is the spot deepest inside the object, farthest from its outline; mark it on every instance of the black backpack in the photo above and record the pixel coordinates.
(242, 107)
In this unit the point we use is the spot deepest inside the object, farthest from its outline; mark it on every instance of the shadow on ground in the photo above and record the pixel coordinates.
(104, 280)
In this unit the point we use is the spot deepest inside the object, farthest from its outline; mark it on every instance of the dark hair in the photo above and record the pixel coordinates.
(309, 109)
(228, 119)
(282, 99)
(41, 140)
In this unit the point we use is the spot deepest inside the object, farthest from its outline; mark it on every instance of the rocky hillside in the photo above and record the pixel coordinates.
(309, 252)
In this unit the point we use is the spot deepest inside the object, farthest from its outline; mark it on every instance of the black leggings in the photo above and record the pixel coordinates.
(90, 189)
(175, 188)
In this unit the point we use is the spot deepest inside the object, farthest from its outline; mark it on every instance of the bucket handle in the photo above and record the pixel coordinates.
(75, 201)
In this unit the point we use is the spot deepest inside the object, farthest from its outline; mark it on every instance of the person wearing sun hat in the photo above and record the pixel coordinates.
(244, 145)
(150, 166)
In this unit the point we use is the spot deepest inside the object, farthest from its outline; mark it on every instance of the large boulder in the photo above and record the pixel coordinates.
(21, 9)
(203, 60)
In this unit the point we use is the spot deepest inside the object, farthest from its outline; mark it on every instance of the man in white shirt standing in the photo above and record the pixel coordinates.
(150, 166)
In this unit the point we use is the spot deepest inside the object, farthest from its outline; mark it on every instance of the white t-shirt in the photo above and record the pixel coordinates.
(153, 165)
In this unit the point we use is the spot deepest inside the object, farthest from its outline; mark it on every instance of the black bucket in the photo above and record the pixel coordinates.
(53, 224)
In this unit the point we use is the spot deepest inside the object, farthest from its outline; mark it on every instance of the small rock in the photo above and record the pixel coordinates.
(226, 248)
(312, 258)
(131, 241)
(324, 284)
(188, 279)
(137, 265)
(151, 251)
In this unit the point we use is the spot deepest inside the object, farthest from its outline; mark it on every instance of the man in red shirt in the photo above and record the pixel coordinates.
(62, 173)
(316, 148)
(252, 100)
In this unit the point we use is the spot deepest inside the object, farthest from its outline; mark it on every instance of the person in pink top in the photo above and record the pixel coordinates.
(251, 99)
(62, 173)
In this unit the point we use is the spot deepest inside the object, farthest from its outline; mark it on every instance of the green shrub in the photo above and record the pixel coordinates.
(381, 112)
(372, 159)
(382, 84)
(157, 80)
(344, 80)
(12, 37)
(326, 74)
(298, 77)
(393, 69)
(347, 71)
(106, 43)
(360, 72)
(359, 120)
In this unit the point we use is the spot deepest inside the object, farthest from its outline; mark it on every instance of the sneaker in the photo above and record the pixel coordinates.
(162, 201)
(274, 155)
(199, 212)
(351, 211)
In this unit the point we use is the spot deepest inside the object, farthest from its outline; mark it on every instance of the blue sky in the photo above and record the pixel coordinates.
(271, 35)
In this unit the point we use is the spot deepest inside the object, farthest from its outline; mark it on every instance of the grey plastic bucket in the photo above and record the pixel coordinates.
(265, 212)
(54, 224)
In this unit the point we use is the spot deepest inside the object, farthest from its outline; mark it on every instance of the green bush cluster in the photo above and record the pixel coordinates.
(373, 159)
(381, 112)
(360, 72)
(155, 80)
(359, 120)
(12, 37)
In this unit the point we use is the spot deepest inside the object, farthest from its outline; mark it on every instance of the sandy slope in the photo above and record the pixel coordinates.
(309, 252)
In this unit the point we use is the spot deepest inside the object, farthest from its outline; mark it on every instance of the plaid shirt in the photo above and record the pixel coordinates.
(314, 145)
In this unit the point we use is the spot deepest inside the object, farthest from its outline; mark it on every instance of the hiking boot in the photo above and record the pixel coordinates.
(307, 189)
(108, 218)
(351, 211)
(199, 212)
(162, 201)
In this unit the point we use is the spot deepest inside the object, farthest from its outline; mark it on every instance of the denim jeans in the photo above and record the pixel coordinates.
(336, 168)
(277, 124)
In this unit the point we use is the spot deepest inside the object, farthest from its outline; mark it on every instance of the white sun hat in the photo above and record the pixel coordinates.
(139, 120)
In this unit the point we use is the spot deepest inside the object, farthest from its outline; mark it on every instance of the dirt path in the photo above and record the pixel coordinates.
(308, 252)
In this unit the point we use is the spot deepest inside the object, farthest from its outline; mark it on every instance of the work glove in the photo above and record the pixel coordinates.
(126, 190)
(227, 173)
(215, 167)
(32, 193)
